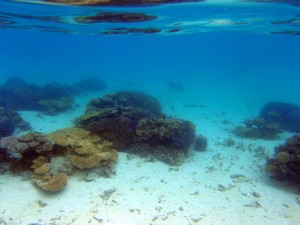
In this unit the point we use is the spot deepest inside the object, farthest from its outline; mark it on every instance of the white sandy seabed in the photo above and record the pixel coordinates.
(221, 186)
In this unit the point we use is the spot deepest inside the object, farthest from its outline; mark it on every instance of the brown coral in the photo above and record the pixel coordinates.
(86, 150)
(44, 179)
(53, 183)
(40, 165)
(285, 166)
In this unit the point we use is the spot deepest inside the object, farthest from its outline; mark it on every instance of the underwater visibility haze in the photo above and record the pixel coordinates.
(149, 112)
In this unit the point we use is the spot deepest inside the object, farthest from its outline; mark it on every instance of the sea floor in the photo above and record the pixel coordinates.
(225, 185)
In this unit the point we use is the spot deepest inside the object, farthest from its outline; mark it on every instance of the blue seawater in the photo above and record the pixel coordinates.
(215, 63)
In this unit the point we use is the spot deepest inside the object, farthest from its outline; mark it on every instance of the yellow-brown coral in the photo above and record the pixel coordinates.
(43, 178)
(40, 165)
(53, 183)
(86, 150)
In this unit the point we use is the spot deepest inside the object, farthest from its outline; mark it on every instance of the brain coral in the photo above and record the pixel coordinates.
(85, 149)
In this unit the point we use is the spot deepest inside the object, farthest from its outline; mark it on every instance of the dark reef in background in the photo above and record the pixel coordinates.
(134, 122)
(285, 114)
(177, 86)
(285, 166)
(200, 143)
(9, 121)
(17, 94)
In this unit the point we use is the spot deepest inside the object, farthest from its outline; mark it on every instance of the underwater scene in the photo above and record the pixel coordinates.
(150, 112)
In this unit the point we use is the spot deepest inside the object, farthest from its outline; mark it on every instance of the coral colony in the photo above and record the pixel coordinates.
(128, 121)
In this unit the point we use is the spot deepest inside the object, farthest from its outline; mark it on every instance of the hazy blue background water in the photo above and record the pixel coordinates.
(204, 60)
(245, 58)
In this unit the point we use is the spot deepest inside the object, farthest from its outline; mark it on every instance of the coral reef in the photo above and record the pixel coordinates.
(44, 179)
(258, 128)
(134, 121)
(61, 164)
(52, 183)
(200, 143)
(164, 138)
(85, 149)
(285, 165)
(26, 146)
(53, 157)
(52, 98)
(285, 114)
(114, 117)
(9, 121)
(175, 134)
